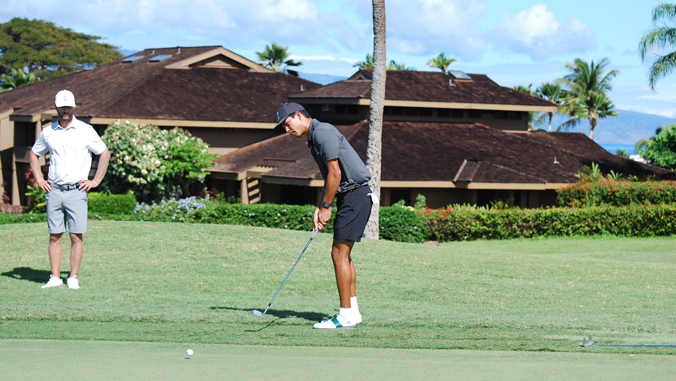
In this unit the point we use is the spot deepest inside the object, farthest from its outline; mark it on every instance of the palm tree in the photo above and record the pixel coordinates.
(551, 92)
(394, 65)
(528, 90)
(18, 78)
(366, 64)
(587, 86)
(440, 62)
(662, 37)
(274, 56)
(375, 139)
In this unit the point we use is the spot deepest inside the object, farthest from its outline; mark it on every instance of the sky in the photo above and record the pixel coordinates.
(514, 42)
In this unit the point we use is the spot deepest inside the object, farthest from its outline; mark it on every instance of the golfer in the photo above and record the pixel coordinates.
(70, 144)
(345, 178)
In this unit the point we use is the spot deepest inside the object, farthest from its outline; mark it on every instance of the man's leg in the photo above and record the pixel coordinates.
(55, 254)
(76, 253)
(346, 275)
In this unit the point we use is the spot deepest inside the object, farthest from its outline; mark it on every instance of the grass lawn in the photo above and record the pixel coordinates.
(190, 283)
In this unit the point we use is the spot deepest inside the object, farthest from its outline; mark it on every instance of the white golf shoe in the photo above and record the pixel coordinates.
(337, 322)
(53, 282)
(73, 284)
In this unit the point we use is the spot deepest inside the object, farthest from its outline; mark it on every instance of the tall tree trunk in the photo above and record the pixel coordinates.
(551, 114)
(375, 143)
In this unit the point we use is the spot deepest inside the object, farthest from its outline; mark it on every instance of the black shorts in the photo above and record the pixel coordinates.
(354, 210)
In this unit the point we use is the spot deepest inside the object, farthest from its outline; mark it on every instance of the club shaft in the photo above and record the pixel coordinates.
(292, 267)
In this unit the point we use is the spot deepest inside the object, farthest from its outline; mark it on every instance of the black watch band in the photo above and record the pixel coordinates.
(326, 205)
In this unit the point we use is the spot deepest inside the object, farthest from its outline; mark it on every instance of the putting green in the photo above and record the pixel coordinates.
(102, 360)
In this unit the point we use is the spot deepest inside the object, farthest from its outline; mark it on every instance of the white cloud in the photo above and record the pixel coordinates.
(537, 33)
(324, 58)
(416, 27)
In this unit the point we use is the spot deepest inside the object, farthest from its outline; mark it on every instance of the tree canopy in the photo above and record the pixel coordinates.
(661, 149)
(440, 62)
(50, 51)
(661, 38)
(587, 85)
(274, 56)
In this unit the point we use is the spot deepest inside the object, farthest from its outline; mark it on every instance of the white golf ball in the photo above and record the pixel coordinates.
(188, 352)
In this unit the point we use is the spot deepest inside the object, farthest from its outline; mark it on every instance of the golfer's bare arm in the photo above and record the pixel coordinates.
(331, 184)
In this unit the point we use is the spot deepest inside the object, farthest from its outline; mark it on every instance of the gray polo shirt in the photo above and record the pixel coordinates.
(327, 143)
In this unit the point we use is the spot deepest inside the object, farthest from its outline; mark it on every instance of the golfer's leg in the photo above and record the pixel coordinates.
(76, 253)
(353, 287)
(55, 254)
(340, 253)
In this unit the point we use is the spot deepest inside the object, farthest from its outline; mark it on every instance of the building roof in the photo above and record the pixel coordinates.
(442, 152)
(182, 83)
(435, 88)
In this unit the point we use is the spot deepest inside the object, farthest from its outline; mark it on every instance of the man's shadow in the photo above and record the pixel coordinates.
(30, 274)
(278, 314)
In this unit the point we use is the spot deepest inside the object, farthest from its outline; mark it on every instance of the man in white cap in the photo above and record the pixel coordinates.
(70, 144)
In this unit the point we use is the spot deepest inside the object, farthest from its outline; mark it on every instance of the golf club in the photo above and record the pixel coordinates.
(589, 343)
(257, 312)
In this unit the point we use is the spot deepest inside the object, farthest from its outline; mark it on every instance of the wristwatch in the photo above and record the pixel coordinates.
(327, 205)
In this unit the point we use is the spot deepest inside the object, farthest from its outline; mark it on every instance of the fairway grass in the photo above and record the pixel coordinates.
(190, 283)
(103, 360)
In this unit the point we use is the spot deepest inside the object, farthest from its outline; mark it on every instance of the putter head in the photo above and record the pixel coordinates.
(256, 313)
(587, 343)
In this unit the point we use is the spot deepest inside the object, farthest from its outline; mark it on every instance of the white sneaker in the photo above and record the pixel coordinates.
(73, 283)
(337, 322)
(356, 318)
(53, 282)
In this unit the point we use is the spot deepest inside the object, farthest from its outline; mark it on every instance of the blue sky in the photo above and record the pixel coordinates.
(513, 42)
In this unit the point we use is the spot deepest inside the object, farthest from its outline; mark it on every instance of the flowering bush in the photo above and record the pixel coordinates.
(178, 210)
(153, 163)
(617, 193)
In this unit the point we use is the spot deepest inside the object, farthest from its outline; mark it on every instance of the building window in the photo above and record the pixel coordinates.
(425, 112)
(474, 114)
(515, 115)
(341, 109)
(351, 109)
(487, 115)
(411, 111)
(396, 110)
(457, 113)
(443, 113)
(500, 114)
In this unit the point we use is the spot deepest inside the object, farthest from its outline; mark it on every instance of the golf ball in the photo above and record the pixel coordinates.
(188, 352)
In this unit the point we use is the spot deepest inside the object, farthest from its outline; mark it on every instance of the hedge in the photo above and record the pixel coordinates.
(633, 220)
(617, 193)
(106, 203)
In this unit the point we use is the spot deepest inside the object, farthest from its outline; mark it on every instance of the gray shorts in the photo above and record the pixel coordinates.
(66, 205)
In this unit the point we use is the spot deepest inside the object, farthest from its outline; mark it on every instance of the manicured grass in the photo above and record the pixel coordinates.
(105, 360)
(179, 283)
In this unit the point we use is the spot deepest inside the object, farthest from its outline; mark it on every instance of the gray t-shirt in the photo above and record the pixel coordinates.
(327, 143)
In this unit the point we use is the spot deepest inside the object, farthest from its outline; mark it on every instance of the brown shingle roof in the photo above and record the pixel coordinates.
(426, 86)
(143, 89)
(448, 152)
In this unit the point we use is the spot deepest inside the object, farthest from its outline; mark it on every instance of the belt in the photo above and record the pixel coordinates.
(66, 187)
(352, 187)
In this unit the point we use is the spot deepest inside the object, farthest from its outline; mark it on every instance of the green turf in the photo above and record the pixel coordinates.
(100, 360)
(177, 283)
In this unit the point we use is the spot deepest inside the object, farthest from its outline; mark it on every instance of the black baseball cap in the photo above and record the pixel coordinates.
(285, 111)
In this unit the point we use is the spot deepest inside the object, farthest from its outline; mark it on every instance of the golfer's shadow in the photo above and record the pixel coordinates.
(281, 314)
(30, 274)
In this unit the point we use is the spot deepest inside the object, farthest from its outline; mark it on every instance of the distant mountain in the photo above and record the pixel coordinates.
(627, 128)
(322, 79)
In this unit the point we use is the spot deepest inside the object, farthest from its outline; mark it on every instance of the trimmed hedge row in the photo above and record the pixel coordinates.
(617, 193)
(634, 220)
(106, 203)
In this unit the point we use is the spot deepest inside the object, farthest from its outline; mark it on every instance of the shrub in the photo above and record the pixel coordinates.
(633, 220)
(154, 163)
(106, 203)
(617, 193)
(402, 224)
